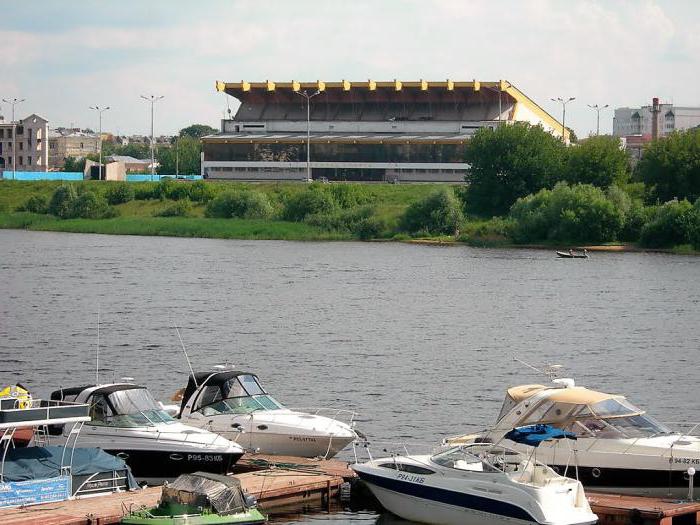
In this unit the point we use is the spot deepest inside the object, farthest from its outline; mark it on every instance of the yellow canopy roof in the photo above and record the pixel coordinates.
(577, 395)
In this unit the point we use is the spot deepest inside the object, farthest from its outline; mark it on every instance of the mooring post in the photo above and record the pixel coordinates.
(328, 495)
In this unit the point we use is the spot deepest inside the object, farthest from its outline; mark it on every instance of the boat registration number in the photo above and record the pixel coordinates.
(204, 457)
(410, 477)
(687, 461)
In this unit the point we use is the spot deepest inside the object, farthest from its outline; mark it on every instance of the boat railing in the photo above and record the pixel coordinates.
(30, 412)
(362, 448)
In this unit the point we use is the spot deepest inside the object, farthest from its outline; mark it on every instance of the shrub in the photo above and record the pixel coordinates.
(635, 219)
(243, 204)
(580, 213)
(311, 201)
(438, 213)
(369, 228)
(88, 206)
(673, 223)
(146, 191)
(349, 195)
(358, 221)
(176, 191)
(495, 231)
(180, 208)
(119, 193)
(61, 202)
(35, 204)
(200, 191)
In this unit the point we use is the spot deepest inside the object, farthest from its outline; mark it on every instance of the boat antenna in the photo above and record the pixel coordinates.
(184, 351)
(97, 354)
(551, 371)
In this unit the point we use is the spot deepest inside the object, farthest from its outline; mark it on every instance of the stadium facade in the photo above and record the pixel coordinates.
(370, 131)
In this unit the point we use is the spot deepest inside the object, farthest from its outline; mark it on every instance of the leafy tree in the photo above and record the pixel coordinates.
(244, 204)
(197, 131)
(673, 223)
(185, 155)
(73, 164)
(580, 213)
(670, 166)
(88, 206)
(598, 161)
(510, 162)
(437, 213)
(61, 203)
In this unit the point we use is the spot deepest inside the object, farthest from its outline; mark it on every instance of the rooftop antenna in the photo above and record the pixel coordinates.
(184, 350)
(551, 371)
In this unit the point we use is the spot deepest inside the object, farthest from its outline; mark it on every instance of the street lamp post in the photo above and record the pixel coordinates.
(308, 98)
(152, 99)
(597, 109)
(13, 103)
(99, 112)
(563, 103)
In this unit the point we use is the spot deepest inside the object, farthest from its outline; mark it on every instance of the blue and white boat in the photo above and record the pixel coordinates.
(478, 484)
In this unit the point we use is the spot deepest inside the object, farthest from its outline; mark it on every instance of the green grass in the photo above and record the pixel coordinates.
(173, 227)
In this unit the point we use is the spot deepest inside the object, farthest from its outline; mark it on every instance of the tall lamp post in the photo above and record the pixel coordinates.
(99, 112)
(13, 103)
(152, 99)
(563, 103)
(308, 98)
(597, 109)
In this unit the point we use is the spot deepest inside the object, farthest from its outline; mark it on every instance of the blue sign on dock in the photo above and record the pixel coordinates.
(15, 493)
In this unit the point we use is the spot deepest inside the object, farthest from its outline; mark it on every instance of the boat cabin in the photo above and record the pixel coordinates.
(586, 413)
(118, 405)
(228, 392)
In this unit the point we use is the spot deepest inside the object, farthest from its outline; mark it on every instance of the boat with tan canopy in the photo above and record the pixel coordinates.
(619, 447)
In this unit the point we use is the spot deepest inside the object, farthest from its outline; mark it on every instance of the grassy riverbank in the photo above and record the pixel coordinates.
(422, 213)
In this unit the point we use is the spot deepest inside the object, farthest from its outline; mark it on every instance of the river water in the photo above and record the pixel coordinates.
(419, 340)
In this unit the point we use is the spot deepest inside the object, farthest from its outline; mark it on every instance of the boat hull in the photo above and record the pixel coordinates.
(244, 518)
(303, 446)
(156, 465)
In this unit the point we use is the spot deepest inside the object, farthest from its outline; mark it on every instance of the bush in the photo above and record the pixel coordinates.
(673, 223)
(349, 195)
(361, 222)
(493, 232)
(88, 206)
(438, 213)
(635, 219)
(61, 202)
(180, 208)
(119, 193)
(311, 201)
(580, 213)
(146, 190)
(244, 204)
(200, 191)
(35, 204)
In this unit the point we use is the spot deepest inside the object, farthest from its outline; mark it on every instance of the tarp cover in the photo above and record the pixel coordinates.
(533, 435)
(29, 463)
(201, 489)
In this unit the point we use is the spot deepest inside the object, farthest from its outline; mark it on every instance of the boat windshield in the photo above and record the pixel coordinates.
(134, 407)
(634, 426)
(241, 394)
(477, 458)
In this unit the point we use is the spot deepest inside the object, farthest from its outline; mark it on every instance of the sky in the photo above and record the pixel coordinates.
(63, 57)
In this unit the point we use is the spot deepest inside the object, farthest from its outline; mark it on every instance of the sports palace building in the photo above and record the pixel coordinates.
(360, 131)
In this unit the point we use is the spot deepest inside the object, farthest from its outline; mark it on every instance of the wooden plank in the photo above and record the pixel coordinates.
(331, 467)
(613, 508)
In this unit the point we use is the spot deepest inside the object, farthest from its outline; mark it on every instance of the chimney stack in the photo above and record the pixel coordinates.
(655, 110)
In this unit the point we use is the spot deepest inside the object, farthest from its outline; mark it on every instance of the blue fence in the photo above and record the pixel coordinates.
(71, 175)
(42, 175)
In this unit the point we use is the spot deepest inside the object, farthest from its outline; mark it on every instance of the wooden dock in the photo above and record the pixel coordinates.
(276, 481)
(618, 509)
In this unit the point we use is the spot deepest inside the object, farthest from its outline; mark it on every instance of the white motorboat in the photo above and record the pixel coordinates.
(619, 447)
(475, 484)
(129, 423)
(235, 405)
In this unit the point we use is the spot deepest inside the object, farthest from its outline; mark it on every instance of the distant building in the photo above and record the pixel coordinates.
(371, 131)
(639, 126)
(131, 164)
(65, 143)
(30, 152)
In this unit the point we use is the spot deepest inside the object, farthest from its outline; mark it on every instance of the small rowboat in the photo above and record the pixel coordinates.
(567, 255)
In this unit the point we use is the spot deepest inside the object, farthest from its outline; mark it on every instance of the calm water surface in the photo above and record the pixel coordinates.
(419, 340)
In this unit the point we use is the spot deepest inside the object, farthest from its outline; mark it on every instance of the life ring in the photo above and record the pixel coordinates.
(22, 397)
(596, 472)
